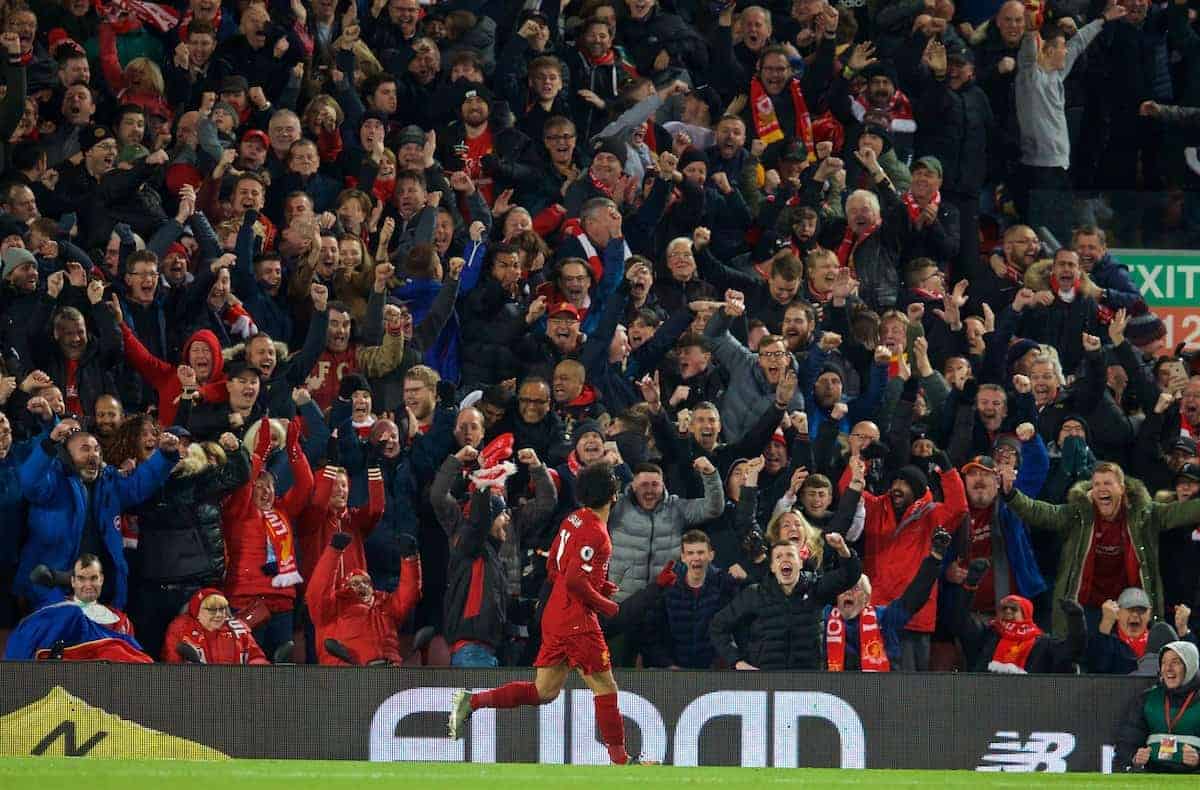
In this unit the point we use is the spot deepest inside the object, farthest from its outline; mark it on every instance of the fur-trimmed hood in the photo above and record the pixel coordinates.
(1037, 277)
(238, 351)
(1136, 493)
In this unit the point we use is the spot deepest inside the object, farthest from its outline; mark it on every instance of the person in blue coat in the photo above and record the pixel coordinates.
(75, 503)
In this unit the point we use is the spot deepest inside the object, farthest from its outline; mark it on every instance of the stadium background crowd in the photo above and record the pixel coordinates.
(313, 312)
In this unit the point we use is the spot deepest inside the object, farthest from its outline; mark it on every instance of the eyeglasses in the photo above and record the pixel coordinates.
(773, 354)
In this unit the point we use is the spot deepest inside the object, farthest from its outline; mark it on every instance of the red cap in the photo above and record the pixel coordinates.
(778, 437)
(258, 135)
(564, 307)
(176, 247)
(182, 173)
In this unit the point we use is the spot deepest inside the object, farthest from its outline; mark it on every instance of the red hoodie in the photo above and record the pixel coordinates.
(163, 377)
(232, 643)
(368, 630)
(894, 552)
(317, 524)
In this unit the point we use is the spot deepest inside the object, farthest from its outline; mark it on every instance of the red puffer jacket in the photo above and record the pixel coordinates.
(368, 630)
(232, 643)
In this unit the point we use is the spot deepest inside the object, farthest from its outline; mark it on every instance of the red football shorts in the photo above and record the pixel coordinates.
(587, 652)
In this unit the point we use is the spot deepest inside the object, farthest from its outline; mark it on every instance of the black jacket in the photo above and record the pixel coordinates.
(979, 640)
(476, 589)
(783, 631)
(180, 539)
(954, 126)
(683, 617)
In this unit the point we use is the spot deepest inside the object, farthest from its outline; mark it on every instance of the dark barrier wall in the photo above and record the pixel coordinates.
(985, 722)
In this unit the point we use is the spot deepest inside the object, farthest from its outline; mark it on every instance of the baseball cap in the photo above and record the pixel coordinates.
(410, 135)
(960, 54)
(931, 163)
(1184, 444)
(564, 307)
(179, 431)
(258, 136)
(133, 152)
(239, 367)
(1134, 598)
(982, 462)
(1189, 472)
(234, 83)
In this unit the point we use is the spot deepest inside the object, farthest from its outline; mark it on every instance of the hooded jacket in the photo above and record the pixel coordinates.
(1075, 522)
(980, 640)
(645, 540)
(162, 375)
(367, 629)
(232, 643)
(895, 547)
(1142, 720)
(179, 540)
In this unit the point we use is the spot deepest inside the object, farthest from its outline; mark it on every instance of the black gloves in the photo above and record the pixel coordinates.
(969, 390)
(407, 545)
(975, 572)
(942, 460)
(447, 393)
(941, 541)
(340, 540)
(1070, 607)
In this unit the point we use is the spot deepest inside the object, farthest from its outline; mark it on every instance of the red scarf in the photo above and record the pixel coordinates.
(900, 111)
(872, 657)
(1136, 643)
(603, 188)
(1185, 427)
(1054, 286)
(845, 250)
(1015, 645)
(160, 17)
(766, 122)
(329, 145)
(238, 321)
(573, 227)
(914, 208)
(280, 546)
(187, 20)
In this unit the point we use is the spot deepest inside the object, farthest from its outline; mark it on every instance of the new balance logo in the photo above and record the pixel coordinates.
(1044, 751)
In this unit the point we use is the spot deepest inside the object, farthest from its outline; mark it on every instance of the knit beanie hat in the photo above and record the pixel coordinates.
(1144, 326)
(585, 427)
(14, 257)
(690, 156)
(915, 478)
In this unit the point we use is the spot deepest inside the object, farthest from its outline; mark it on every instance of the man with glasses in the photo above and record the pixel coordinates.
(777, 112)
(1005, 274)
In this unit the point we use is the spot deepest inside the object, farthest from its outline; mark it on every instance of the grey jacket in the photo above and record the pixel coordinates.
(1041, 101)
(748, 394)
(643, 541)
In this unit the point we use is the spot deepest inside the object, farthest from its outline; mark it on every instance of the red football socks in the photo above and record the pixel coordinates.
(510, 695)
(612, 728)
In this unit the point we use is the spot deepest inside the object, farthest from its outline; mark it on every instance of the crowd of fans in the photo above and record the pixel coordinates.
(313, 312)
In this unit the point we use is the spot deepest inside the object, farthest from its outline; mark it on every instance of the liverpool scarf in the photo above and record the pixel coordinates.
(1136, 643)
(766, 121)
(845, 250)
(593, 256)
(1015, 645)
(280, 550)
(872, 657)
(914, 208)
(900, 111)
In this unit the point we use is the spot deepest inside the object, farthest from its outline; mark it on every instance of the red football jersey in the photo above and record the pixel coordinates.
(581, 548)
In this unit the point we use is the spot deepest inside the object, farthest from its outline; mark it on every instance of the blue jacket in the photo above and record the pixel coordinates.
(1018, 548)
(681, 637)
(892, 618)
(272, 314)
(56, 515)
(1113, 276)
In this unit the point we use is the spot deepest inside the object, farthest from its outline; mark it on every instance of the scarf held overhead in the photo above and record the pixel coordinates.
(766, 121)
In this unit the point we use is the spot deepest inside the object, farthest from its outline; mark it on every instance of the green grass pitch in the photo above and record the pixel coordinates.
(41, 773)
